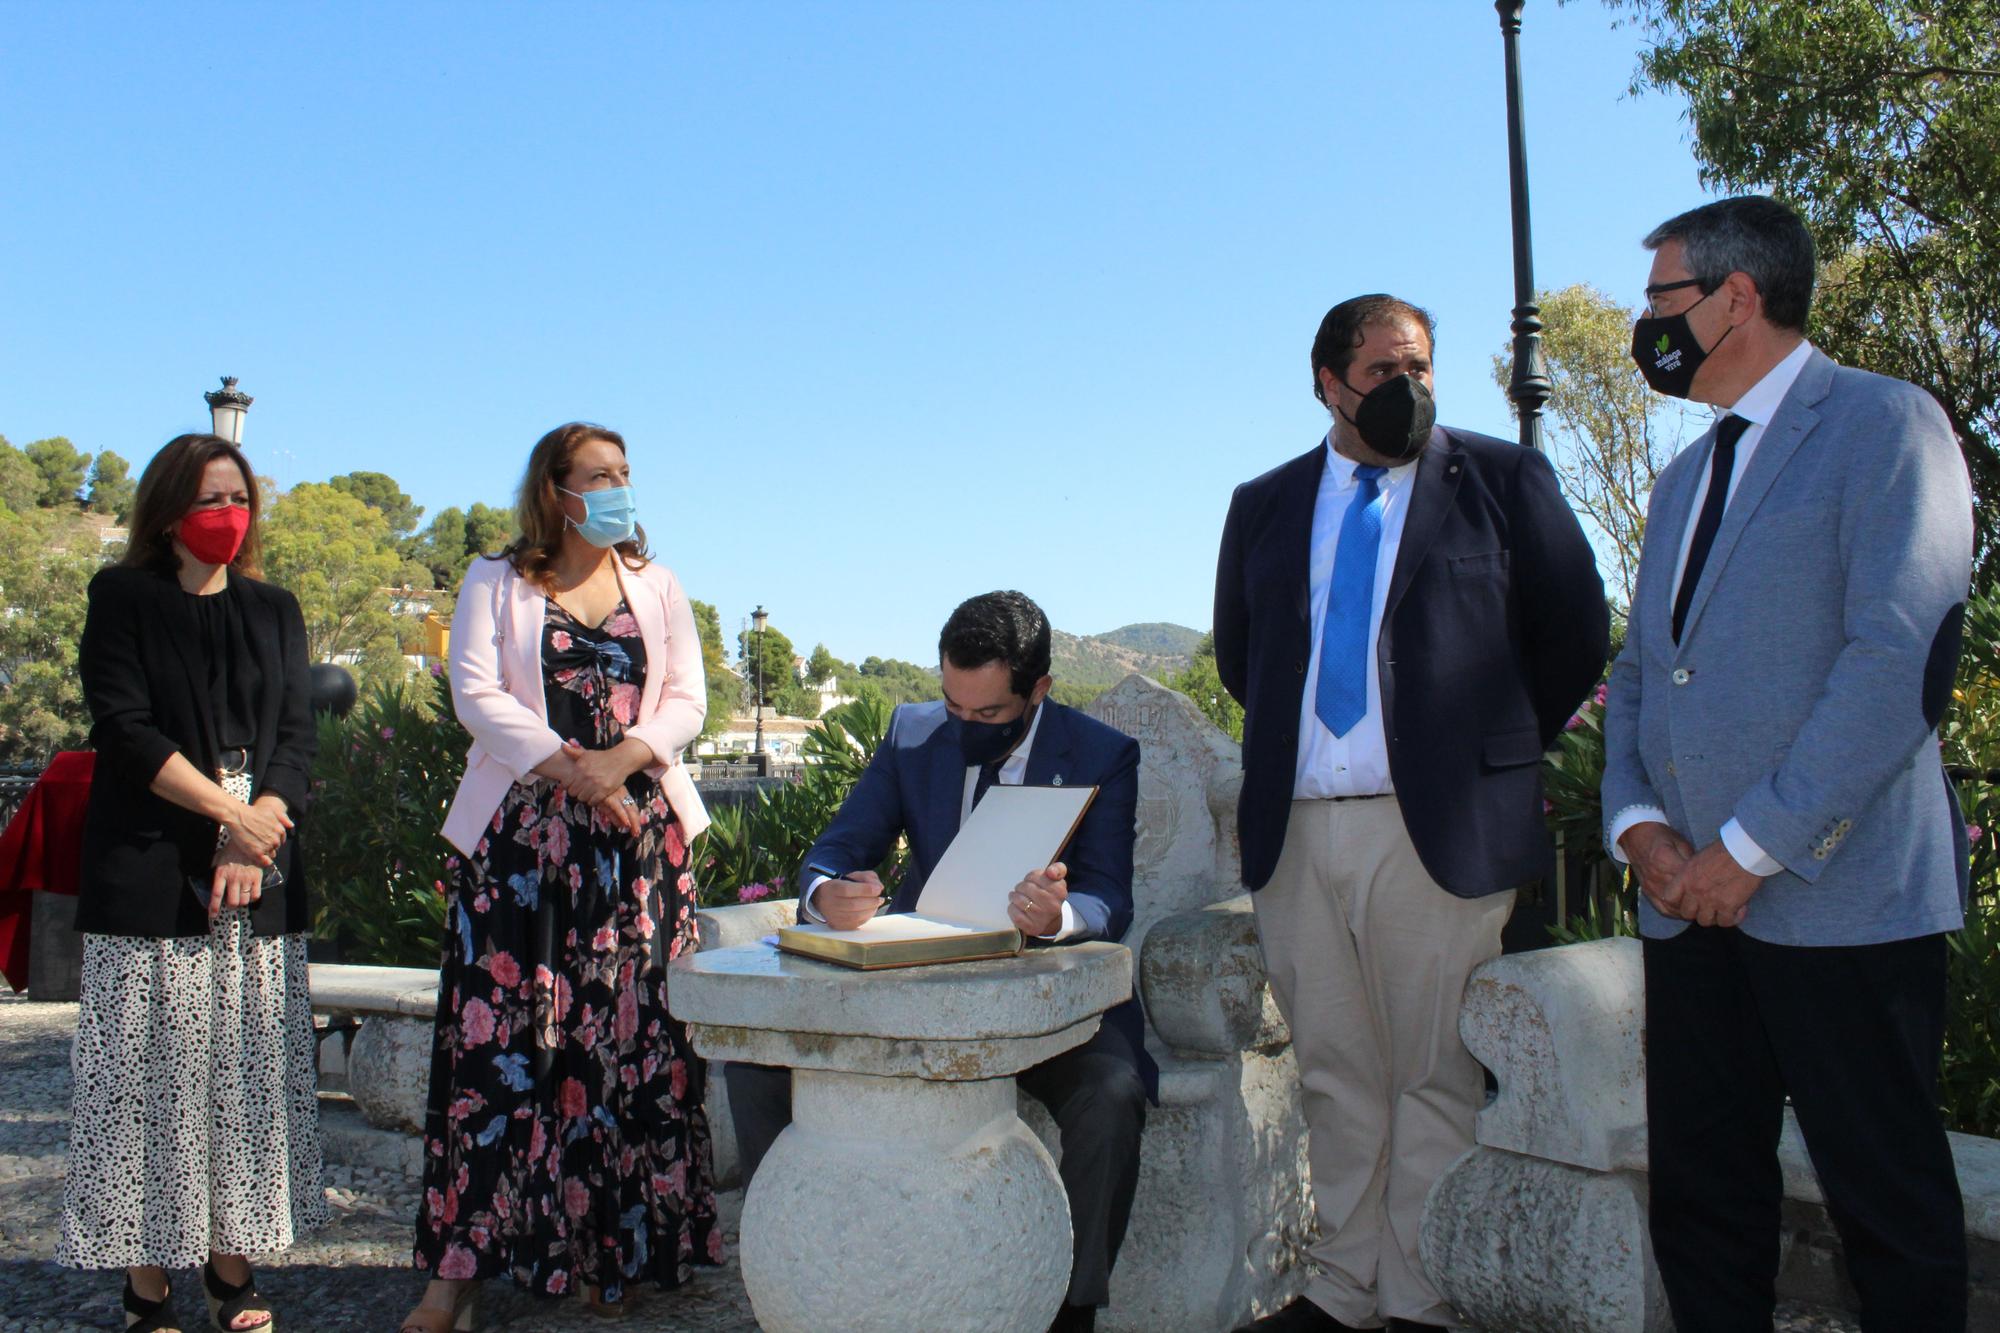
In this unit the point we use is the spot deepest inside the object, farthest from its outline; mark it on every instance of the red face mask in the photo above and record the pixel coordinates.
(214, 536)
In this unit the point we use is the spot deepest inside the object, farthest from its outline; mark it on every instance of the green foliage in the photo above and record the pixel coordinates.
(383, 780)
(380, 492)
(896, 682)
(20, 480)
(46, 560)
(448, 545)
(774, 650)
(1877, 120)
(1157, 638)
(1202, 684)
(1608, 434)
(725, 691)
(334, 553)
(112, 486)
(1086, 667)
(763, 842)
(823, 664)
(797, 700)
(61, 467)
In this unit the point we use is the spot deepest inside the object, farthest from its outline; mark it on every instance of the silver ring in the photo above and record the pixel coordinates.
(626, 800)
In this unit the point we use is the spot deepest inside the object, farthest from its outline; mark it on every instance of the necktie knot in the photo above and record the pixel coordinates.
(1729, 430)
(1367, 472)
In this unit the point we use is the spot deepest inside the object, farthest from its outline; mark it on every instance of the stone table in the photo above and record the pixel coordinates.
(907, 1193)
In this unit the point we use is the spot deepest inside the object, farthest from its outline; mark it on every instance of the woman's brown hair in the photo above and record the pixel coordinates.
(167, 490)
(539, 512)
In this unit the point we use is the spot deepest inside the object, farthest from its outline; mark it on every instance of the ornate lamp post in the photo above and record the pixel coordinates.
(1530, 386)
(757, 622)
(227, 407)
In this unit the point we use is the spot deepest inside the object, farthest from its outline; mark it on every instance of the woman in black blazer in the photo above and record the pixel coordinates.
(194, 1126)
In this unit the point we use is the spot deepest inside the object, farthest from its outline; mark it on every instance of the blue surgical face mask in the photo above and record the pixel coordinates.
(610, 516)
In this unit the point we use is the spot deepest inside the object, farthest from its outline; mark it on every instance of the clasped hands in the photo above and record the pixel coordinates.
(1706, 887)
(256, 832)
(1034, 905)
(597, 778)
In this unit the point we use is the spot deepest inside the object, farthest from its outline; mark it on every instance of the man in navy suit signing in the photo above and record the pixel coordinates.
(996, 724)
(1408, 614)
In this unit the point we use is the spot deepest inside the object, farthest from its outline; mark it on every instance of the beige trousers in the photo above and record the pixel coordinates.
(1368, 960)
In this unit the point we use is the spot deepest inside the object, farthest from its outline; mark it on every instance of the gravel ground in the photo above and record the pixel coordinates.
(352, 1275)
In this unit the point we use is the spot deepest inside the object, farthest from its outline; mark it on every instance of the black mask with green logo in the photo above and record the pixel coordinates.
(1668, 353)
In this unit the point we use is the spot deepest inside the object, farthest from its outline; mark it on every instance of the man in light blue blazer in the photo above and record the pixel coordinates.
(1772, 772)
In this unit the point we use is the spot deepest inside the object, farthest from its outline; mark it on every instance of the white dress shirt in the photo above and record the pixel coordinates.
(1757, 406)
(1356, 764)
(1013, 770)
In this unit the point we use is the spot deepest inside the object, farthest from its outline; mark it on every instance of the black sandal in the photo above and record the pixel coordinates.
(225, 1302)
(143, 1316)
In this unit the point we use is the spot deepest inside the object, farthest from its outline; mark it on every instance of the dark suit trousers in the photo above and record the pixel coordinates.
(1852, 1035)
(1099, 1104)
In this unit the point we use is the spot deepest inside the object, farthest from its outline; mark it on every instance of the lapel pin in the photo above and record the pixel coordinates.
(1056, 781)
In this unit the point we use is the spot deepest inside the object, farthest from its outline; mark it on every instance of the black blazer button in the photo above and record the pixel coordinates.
(1300, 667)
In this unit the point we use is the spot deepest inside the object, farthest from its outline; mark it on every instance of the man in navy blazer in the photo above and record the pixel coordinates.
(1409, 615)
(1771, 771)
(996, 724)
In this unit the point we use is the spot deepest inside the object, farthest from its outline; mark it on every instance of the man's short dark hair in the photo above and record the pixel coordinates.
(999, 627)
(1752, 234)
(1341, 332)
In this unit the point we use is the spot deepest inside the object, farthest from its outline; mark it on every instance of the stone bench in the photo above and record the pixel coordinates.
(1222, 1210)
(389, 1056)
(1543, 1224)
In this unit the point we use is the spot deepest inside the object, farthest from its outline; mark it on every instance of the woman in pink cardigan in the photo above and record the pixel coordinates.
(565, 1142)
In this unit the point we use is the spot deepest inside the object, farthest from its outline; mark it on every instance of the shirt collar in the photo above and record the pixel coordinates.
(1341, 468)
(1760, 402)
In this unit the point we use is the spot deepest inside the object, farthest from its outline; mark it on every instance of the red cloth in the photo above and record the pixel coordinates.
(41, 849)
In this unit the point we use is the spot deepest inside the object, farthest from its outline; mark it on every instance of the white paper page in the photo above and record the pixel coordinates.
(1012, 831)
(895, 926)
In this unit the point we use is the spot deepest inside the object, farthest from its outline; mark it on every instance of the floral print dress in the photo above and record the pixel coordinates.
(565, 1140)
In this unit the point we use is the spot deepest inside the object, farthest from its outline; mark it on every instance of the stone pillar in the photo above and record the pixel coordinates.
(907, 1193)
(1543, 1224)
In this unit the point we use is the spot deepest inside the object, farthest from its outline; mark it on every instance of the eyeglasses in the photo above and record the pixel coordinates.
(1657, 290)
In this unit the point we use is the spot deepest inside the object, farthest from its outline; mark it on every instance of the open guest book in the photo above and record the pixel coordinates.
(962, 913)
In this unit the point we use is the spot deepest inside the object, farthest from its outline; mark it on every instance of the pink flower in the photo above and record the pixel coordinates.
(677, 1081)
(626, 1025)
(558, 1282)
(574, 1105)
(477, 1023)
(625, 703)
(604, 939)
(1601, 693)
(1974, 833)
(676, 844)
(644, 925)
(751, 893)
(388, 732)
(555, 846)
(503, 969)
(621, 626)
(576, 1197)
(457, 1264)
(560, 641)
(1575, 721)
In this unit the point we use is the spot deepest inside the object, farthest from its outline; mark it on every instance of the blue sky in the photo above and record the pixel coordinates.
(894, 303)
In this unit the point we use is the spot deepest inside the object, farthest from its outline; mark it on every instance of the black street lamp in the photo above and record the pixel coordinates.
(227, 407)
(1529, 388)
(757, 621)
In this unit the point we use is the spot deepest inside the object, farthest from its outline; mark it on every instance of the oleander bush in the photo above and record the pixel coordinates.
(375, 858)
(751, 851)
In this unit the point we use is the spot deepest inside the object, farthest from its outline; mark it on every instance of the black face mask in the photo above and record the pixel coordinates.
(1668, 353)
(1395, 417)
(983, 742)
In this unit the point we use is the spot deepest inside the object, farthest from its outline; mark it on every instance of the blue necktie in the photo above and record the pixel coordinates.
(1342, 695)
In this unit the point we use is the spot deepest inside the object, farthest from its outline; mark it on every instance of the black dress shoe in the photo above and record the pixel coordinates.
(1412, 1326)
(1301, 1316)
(1075, 1319)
